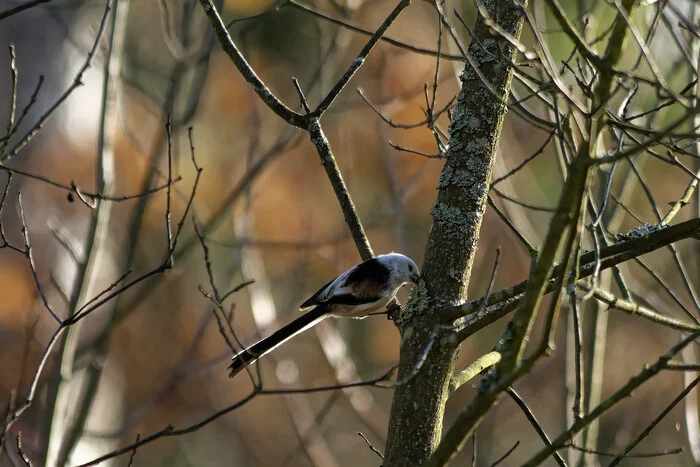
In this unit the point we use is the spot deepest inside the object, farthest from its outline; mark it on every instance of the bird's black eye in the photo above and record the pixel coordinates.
(410, 268)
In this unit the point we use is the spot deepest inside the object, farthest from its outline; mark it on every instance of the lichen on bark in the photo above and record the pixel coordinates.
(417, 411)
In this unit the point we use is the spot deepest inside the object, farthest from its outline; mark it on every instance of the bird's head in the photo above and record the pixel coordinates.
(402, 268)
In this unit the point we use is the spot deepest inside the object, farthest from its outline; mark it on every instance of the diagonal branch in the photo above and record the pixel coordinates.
(611, 256)
(357, 63)
(276, 105)
(320, 142)
(612, 401)
(20, 8)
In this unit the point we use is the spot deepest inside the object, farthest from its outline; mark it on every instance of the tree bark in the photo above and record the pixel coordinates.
(417, 410)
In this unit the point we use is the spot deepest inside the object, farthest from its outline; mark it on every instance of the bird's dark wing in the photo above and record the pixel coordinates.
(363, 283)
(314, 299)
(368, 279)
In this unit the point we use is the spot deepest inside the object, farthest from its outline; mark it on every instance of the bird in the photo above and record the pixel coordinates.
(364, 288)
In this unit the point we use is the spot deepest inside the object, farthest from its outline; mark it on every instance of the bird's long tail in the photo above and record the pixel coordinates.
(268, 344)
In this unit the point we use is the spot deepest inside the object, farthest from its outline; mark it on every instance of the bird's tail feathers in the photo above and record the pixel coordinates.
(279, 337)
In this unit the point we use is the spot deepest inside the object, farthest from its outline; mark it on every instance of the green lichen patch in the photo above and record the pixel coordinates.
(418, 303)
(450, 219)
(478, 146)
(445, 176)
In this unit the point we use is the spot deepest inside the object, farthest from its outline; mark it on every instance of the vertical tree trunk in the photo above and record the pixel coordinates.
(417, 410)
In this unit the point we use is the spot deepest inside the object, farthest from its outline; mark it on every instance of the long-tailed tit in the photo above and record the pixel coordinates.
(359, 291)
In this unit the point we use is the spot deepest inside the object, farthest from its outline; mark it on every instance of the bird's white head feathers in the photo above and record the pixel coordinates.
(402, 268)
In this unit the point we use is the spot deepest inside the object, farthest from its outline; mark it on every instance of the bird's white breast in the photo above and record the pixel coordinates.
(359, 311)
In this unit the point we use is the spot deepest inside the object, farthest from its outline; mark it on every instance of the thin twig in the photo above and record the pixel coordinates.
(647, 430)
(370, 445)
(413, 151)
(518, 167)
(227, 44)
(133, 453)
(13, 99)
(171, 431)
(531, 250)
(505, 456)
(20, 451)
(622, 393)
(168, 197)
(88, 198)
(30, 258)
(404, 126)
(667, 452)
(25, 112)
(302, 98)
(535, 424)
(359, 61)
(395, 42)
(77, 82)
(612, 255)
(637, 310)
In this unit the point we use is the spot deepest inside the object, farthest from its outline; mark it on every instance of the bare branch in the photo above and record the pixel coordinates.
(30, 258)
(613, 400)
(170, 430)
(18, 9)
(535, 424)
(77, 82)
(477, 366)
(277, 106)
(657, 419)
(634, 309)
(355, 66)
(395, 42)
(370, 445)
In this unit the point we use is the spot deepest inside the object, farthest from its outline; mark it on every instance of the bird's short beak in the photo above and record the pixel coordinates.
(414, 278)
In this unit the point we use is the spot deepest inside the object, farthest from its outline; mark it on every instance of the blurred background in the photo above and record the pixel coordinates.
(155, 353)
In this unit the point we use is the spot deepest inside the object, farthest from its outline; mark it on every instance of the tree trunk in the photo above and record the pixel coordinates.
(417, 410)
